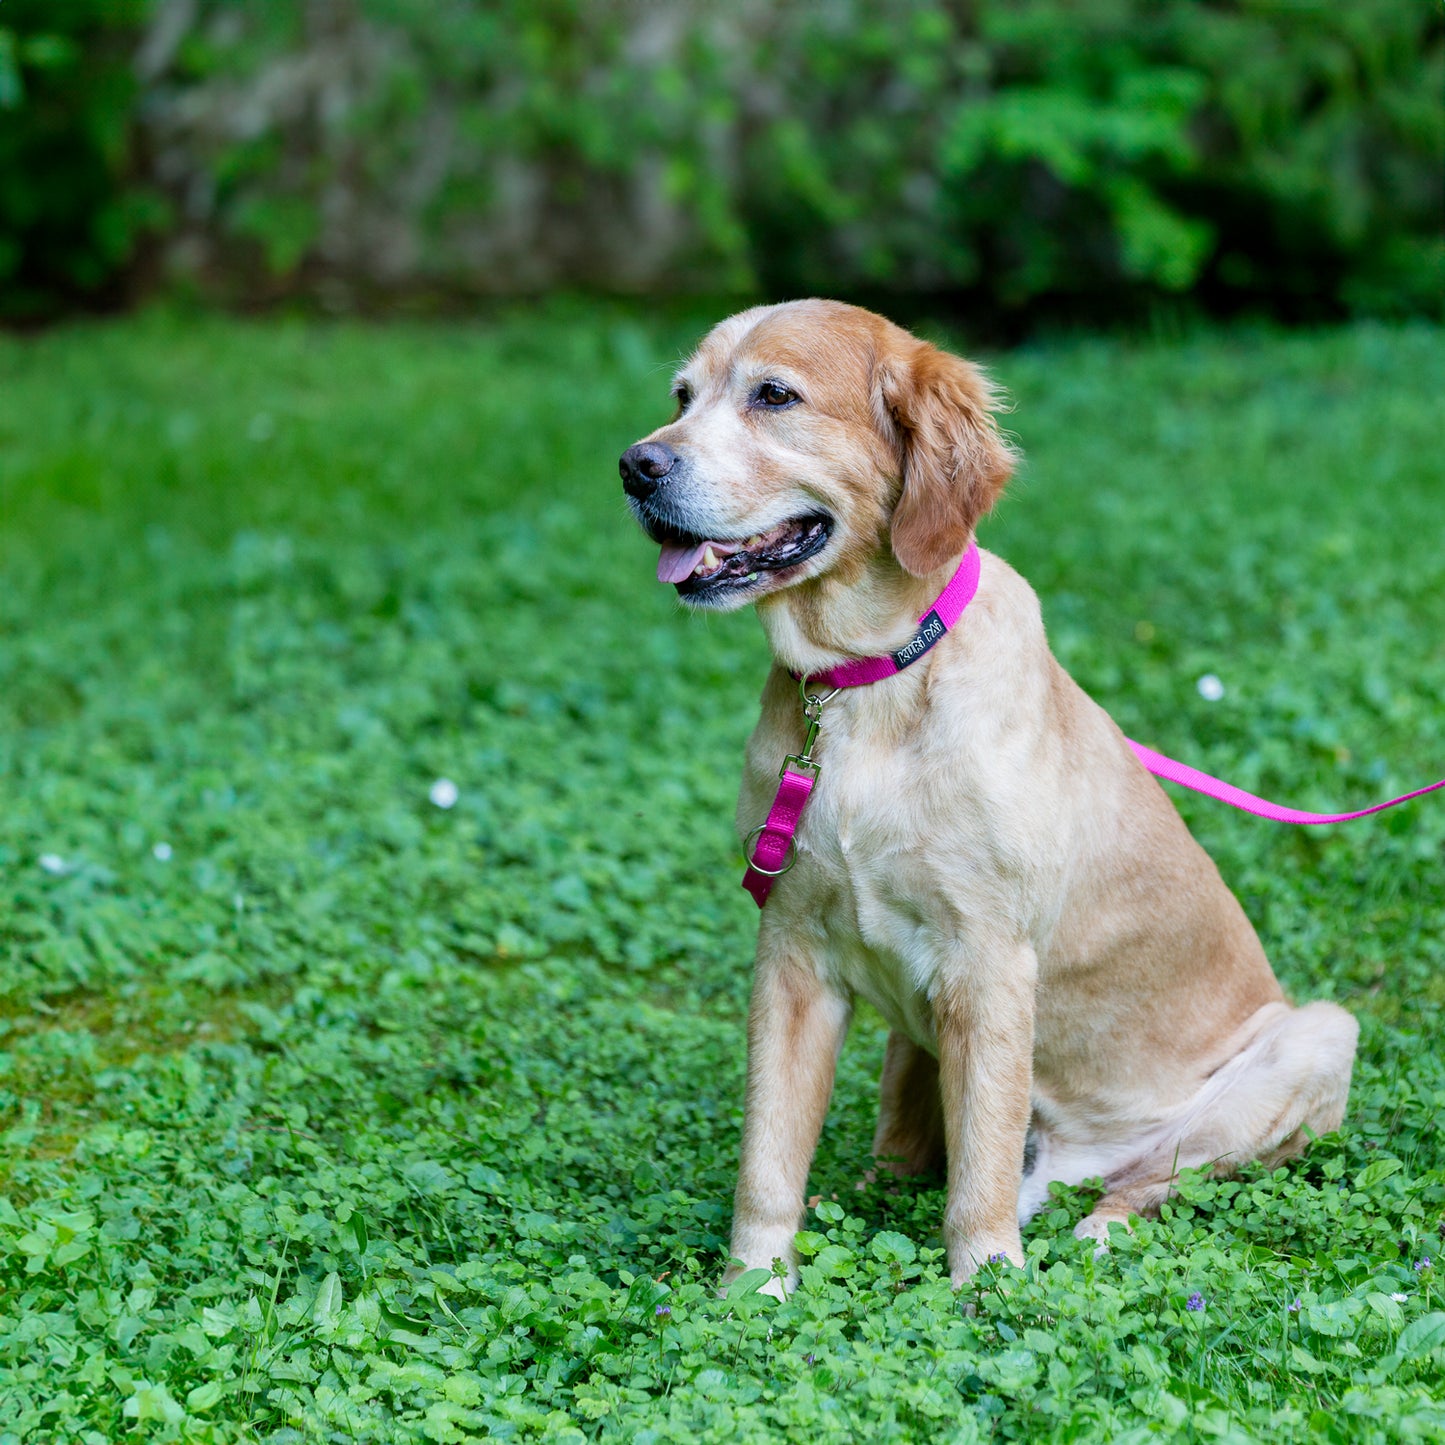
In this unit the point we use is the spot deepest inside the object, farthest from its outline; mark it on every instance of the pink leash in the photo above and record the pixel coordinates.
(1188, 777)
(775, 852)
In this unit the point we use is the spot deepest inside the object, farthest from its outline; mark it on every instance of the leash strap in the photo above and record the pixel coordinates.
(1188, 777)
(775, 852)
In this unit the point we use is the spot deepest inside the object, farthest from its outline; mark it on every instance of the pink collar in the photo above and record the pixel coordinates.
(776, 851)
(939, 618)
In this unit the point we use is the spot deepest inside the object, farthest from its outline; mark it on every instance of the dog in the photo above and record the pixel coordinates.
(1071, 989)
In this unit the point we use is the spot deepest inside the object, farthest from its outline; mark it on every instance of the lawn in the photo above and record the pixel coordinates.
(329, 1112)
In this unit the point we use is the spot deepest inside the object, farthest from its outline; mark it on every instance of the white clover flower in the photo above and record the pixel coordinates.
(444, 793)
(53, 863)
(161, 852)
(1210, 687)
(1399, 1298)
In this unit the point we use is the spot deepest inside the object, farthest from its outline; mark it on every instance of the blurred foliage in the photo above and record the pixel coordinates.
(1027, 154)
(1276, 150)
(68, 218)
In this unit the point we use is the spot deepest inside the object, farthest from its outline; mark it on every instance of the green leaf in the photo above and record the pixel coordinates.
(749, 1282)
(428, 1177)
(328, 1301)
(1376, 1171)
(204, 1396)
(359, 1233)
(1420, 1337)
(898, 1248)
(1335, 1317)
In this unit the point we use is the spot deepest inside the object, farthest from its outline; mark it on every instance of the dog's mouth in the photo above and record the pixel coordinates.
(706, 566)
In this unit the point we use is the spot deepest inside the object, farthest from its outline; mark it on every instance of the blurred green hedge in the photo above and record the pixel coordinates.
(1032, 154)
(70, 210)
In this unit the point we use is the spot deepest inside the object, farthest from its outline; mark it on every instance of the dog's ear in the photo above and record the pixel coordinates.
(955, 463)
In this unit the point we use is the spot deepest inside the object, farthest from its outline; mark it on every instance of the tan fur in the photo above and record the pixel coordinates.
(984, 859)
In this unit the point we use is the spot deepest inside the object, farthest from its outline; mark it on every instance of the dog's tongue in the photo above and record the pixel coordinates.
(677, 562)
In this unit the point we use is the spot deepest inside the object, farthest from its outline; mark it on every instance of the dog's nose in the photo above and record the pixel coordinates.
(644, 467)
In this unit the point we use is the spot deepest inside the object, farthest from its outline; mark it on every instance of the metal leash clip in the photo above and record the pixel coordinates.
(801, 764)
(813, 712)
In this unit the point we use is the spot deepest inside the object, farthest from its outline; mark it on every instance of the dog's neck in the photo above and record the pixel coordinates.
(844, 615)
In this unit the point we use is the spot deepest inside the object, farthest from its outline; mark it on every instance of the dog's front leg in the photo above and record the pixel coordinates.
(985, 1022)
(796, 1026)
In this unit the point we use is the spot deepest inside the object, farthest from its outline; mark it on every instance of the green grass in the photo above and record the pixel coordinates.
(359, 1119)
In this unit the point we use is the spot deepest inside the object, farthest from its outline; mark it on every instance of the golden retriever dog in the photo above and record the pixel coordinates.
(1072, 991)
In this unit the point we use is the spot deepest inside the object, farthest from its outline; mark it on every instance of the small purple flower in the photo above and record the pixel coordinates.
(1195, 1302)
(1294, 1308)
(663, 1311)
(810, 1359)
(998, 1258)
(1422, 1264)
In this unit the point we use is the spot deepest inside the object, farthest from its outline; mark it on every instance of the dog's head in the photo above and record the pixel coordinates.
(810, 438)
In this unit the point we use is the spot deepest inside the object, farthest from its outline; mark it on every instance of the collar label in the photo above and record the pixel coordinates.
(930, 629)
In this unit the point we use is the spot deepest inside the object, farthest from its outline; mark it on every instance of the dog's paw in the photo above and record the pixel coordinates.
(968, 1258)
(1097, 1226)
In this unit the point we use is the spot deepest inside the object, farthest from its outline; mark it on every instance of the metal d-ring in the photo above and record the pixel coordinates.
(791, 855)
(812, 700)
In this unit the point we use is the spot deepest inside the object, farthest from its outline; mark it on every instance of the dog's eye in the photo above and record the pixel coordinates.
(682, 395)
(774, 393)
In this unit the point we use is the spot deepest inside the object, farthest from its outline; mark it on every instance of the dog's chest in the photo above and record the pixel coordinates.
(873, 877)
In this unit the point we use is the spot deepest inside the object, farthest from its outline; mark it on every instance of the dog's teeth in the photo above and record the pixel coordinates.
(709, 559)
(755, 541)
